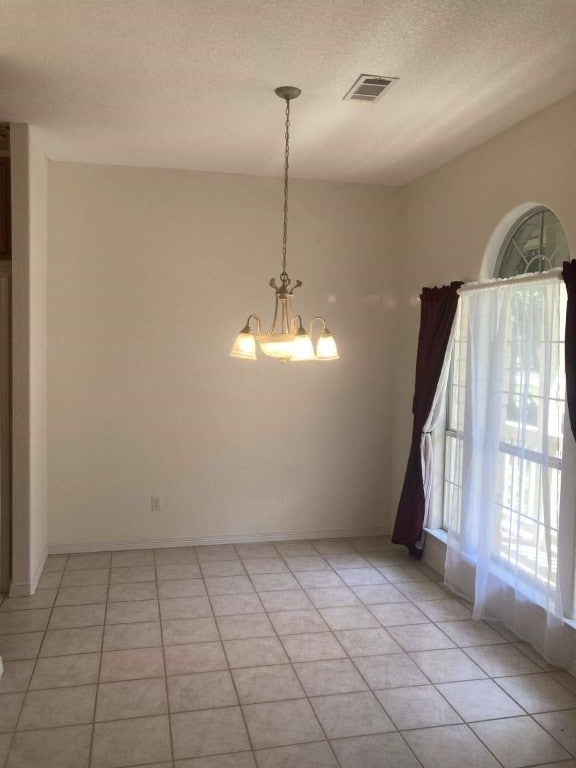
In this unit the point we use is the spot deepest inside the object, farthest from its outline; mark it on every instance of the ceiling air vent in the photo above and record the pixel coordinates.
(370, 87)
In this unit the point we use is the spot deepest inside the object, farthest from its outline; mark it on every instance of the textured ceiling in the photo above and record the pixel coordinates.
(189, 83)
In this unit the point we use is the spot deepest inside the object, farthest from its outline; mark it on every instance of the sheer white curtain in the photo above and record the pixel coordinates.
(503, 544)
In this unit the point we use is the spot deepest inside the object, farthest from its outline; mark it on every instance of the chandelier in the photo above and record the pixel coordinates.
(287, 339)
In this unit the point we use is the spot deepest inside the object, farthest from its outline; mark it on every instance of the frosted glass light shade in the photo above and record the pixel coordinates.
(278, 345)
(244, 346)
(302, 348)
(326, 347)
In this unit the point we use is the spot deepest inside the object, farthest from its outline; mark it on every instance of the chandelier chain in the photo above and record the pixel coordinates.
(286, 167)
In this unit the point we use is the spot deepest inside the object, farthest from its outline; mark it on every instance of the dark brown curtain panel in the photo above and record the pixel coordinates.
(437, 311)
(569, 275)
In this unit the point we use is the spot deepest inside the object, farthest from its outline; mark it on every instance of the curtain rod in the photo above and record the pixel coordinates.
(532, 277)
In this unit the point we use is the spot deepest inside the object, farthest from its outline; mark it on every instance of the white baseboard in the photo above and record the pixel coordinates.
(196, 541)
(25, 588)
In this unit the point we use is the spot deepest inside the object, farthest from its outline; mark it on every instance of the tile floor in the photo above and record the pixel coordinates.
(299, 654)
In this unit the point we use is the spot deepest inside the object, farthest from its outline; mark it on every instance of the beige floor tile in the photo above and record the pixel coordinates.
(260, 684)
(247, 625)
(351, 714)
(204, 690)
(398, 614)
(62, 671)
(178, 571)
(270, 582)
(384, 750)
(420, 637)
(52, 748)
(138, 590)
(266, 565)
(562, 726)
(288, 549)
(353, 617)
(301, 563)
(60, 642)
(5, 743)
(175, 555)
(333, 546)
(281, 723)
(235, 605)
(422, 590)
(379, 594)
(223, 568)
(538, 693)
(402, 573)
(347, 561)
(519, 741)
(565, 679)
(313, 646)
(333, 597)
(447, 666)
(479, 700)
(316, 755)
(131, 664)
(445, 610)
(185, 608)
(374, 544)
(318, 579)
(55, 563)
(134, 698)
(254, 652)
(119, 637)
(61, 706)
(361, 577)
(322, 678)
(197, 657)
(131, 575)
(529, 651)
(367, 642)
(70, 616)
(131, 742)
(134, 557)
(132, 611)
(50, 580)
(501, 660)
(181, 631)
(420, 707)
(182, 588)
(216, 553)
(21, 646)
(450, 746)
(16, 622)
(16, 676)
(208, 732)
(89, 577)
(256, 550)
(232, 760)
(10, 705)
(44, 598)
(82, 562)
(229, 585)
(82, 595)
(390, 671)
(286, 600)
(470, 633)
(298, 622)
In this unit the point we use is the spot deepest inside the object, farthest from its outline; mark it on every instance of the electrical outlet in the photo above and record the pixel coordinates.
(155, 503)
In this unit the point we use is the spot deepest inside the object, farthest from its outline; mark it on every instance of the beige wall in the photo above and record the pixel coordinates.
(29, 293)
(151, 275)
(448, 218)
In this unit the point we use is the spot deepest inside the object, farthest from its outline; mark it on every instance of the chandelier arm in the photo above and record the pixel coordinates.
(247, 328)
(321, 319)
(271, 331)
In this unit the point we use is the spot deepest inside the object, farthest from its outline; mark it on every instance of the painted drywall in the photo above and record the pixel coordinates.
(449, 216)
(29, 317)
(151, 275)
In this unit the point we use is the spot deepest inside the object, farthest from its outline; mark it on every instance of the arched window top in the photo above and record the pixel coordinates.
(535, 243)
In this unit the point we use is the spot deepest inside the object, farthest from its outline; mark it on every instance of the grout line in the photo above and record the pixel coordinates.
(170, 734)
(99, 670)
